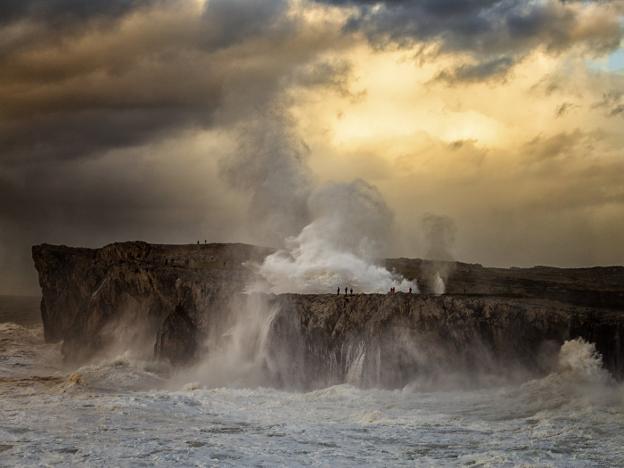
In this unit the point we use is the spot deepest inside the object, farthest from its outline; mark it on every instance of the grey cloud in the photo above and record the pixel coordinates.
(230, 21)
(612, 102)
(479, 71)
(617, 110)
(564, 108)
(270, 165)
(542, 151)
(171, 70)
(65, 11)
(74, 96)
(496, 33)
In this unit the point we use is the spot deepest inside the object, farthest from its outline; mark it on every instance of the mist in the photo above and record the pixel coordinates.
(350, 228)
(439, 239)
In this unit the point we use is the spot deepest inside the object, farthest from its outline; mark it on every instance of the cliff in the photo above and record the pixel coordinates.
(131, 293)
(601, 287)
(183, 302)
(392, 340)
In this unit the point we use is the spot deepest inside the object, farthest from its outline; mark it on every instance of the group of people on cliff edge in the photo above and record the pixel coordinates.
(349, 291)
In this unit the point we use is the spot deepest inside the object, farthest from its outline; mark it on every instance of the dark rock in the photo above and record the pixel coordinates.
(179, 302)
(389, 340)
(177, 339)
(122, 294)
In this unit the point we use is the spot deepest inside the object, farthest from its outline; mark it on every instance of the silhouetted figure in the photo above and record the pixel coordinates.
(338, 292)
(351, 291)
(197, 242)
(410, 290)
(205, 241)
(346, 292)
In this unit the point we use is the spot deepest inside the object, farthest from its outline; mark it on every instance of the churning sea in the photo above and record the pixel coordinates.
(122, 412)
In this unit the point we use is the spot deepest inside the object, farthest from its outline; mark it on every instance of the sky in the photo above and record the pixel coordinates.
(171, 121)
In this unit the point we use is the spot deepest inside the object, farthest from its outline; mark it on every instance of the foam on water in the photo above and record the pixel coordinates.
(117, 413)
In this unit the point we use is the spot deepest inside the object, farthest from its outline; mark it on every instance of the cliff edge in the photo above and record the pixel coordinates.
(179, 302)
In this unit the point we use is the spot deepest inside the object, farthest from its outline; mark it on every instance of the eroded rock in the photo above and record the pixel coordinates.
(182, 302)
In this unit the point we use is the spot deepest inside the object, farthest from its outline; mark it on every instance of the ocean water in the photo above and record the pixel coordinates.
(122, 412)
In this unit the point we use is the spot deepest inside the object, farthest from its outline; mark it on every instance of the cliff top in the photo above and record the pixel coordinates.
(593, 286)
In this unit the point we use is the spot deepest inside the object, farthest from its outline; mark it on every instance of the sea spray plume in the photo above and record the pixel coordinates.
(581, 359)
(439, 235)
(351, 227)
(340, 229)
(270, 165)
(577, 382)
(239, 357)
(330, 233)
(438, 285)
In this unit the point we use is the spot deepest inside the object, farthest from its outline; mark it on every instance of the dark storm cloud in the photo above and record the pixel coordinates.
(496, 33)
(63, 102)
(79, 125)
(143, 77)
(65, 11)
(232, 21)
(76, 96)
(82, 81)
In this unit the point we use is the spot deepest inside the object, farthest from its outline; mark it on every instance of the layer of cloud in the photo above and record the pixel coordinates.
(90, 89)
(144, 75)
(175, 121)
(492, 34)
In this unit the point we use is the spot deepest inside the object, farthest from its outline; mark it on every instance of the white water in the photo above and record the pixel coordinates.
(351, 224)
(438, 284)
(118, 413)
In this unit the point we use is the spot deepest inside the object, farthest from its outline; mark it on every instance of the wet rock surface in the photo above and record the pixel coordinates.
(389, 340)
(125, 293)
(179, 301)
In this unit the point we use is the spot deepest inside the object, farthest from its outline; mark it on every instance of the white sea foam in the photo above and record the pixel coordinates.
(350, 227)
(572, 417)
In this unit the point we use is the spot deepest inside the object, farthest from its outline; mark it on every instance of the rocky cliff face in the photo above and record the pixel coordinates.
(137, 294)
(182, 302)
(597, 287)
(392, 340)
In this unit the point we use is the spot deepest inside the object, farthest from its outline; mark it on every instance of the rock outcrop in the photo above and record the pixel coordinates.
(392, 340)
(180, 303)
(129, 294)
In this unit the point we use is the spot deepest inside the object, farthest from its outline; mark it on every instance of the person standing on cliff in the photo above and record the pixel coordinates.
(338, 292)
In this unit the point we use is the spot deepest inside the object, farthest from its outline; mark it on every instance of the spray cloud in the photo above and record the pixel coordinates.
(269, 164)
(330, 234)
(439, 235)
(350, 229)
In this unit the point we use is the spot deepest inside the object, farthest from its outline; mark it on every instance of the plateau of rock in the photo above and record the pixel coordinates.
(180, 303)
